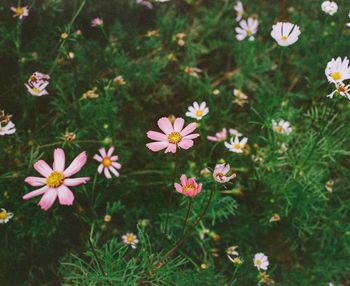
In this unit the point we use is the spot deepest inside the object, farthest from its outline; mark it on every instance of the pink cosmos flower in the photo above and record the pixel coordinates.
(174, 135)
(219, 136)
(188, 187)
(97, 22)
(108, 162)
(20, 12)
(220, 173)
(56, 180)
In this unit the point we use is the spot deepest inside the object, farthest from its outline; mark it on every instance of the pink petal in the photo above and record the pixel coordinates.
(188, 129)
(157, 136)
(165, 125)
(35, 181)
(157, 146)
(183, 179)
(76, 165)
(103, 152)
(192, 136)
(59, 160)
(171, 148)
(179, 124)
(48, 199)
(212, 138)
(76, 181)
(110, 152)
(114, 158)
(43, 168)
(116, 165)
(98, 158)
(65, 196)
(107, 174)
(35, 193)
(185, 144)
(178, 187)
(100, 168)
(114, 171)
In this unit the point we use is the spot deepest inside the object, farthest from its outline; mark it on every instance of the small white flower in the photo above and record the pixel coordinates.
(239, 10)
(248, 28)
(282, 127)
(236, 145)
(119, 80)
(197, 111)
(338, 70)
(341, 89)
(261, 261)
(7, 129)
(5, 216)
(285, 33)
(130, 239)
(234, 132)
(220, 173)
(329, 7)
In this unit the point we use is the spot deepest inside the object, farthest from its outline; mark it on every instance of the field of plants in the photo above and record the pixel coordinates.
(174, 142)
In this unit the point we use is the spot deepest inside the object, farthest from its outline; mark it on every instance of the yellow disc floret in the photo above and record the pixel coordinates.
(106, 162)
(199, 113)
(4, 215)
(174, 137)
(336, 75)
(55, 179)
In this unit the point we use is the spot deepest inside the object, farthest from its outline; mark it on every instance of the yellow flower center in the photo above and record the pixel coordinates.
(237, 146)
(19, 11)
(106, 162)
(284, 38)
(199, 113)
(336, 75)
(36, 90)
(220, 175)
(249, 32)
(174, 137)
(258, 262)
(130, 238)
(188, 188)
(278, 129)
(55, 179)
(4, 215)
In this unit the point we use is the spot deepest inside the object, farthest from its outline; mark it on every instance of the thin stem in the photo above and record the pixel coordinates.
(187, 214)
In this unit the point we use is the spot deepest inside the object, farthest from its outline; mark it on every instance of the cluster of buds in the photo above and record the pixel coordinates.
(37, 83)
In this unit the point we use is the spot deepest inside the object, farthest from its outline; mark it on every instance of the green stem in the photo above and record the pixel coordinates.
(187, 214)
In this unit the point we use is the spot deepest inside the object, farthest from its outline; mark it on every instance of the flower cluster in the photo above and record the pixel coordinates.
(337, 71)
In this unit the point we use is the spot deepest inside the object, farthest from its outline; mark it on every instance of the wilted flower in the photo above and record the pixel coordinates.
(5, 216)
(236, 145)
(240, 97)
(56, 180)
(174, 135)
(203, 232)
(266, 279)
(261, 261)
(282, 127)
(64, 36)
(220, 172)
(205, 172)
(285, 33)
(188, 187)
(119, 80)
(338, 70)
(69, 136)
(219, 136)
(153, 33)
(97, 22)
(192, 71)
(234, 132)
(248, 28)
(37, 83)
(341, 89)
(20, 12)
(239, 10)
(7, 129)
(329, 7)
(130, 239)
(275, 217)
(329, 186)
(232, 250)
(108, 162)
(91, 94)
(283, 148)
(197, 111)
(107, 218)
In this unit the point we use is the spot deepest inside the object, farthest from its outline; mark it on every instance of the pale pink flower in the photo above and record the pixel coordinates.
(108, 162)
(188, 187)
(97, 22)
(220, 173)
(174, 135)
(130, 239)
(55, 181)
(219, 136)
(20, 12)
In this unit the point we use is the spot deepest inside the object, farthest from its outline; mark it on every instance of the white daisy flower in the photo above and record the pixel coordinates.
(5, 216)
(285, 33)
(338, 70)
(130, 239)
(108, 163)
(7, 129)
(239, 10)
(341, 89)
(329, 7)
(37, 90)
(37, 84)
(197, 111)
(248, 28)
(282, 127)
(236, 145)
(234, 132)
(261, 261)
